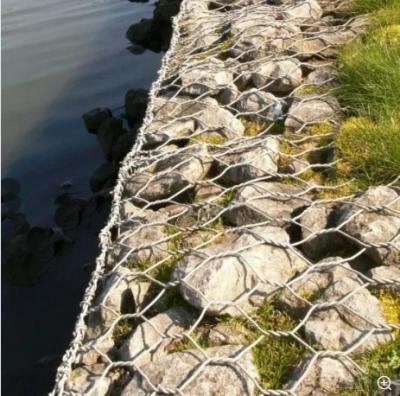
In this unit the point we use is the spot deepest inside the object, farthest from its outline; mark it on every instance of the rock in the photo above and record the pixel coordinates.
(207, 77)
(322, 376)
(108, 134)
(139, 32)
(261, 39)
(387, 276)
(228, 334)
(95, 117)
(14, 224)
(313, 283)
(228, 95)
(341, 327)
(240, 164)
(207, 192)
(41, 244)
(271, 202)
(303, 12)
(141, 241)
(325, 43)
(103, 177)
(314, 222)
(371, 220)
(87, 379)
(260, 105)
(217, 280)
(165, 10)
(150, 340)
(123, 146)
(213, 379)
(136, 105)
(68, 214)
(308, 111)
(323, 77)
(171, 175)
(278, 76)
(182, 117)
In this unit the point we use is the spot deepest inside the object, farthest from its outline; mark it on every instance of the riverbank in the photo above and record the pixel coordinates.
(234, 260)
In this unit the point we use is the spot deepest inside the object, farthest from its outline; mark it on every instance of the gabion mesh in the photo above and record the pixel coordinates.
(229, 232)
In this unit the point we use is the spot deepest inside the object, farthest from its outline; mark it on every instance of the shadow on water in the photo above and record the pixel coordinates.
(42, 287)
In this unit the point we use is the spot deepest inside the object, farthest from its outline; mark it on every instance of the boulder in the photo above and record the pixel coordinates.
(171, 175)
(207, 77)
(240, 164)
(271, 202)
(260, 105)
(87, 379)
(150, 340)
(108, 134)
(324, 76)
(179, 118)
(142, 240)
(371, 220)
(311, 110)
(309, 286)
(233, 378)
(136, 105)
(228, 334)
(260, 39)
(322, 376)
(278, 76)
(95, 117)
(103, 177)
(350, 321)
(123, 146)
(387, 277)
(218, 277)
(303, 12)
(314, 222)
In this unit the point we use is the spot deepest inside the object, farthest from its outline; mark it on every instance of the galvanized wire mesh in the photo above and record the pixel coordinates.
(229, 232)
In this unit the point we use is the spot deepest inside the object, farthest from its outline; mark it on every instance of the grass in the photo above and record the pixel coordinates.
(368, 143)
(274, 356)
(384, 360)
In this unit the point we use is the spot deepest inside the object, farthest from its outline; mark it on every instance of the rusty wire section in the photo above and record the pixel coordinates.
(231, 241)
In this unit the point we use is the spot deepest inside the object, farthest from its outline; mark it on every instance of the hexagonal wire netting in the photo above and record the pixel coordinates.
(234, 262)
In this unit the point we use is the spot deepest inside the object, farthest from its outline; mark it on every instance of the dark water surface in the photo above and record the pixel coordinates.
(60, 58)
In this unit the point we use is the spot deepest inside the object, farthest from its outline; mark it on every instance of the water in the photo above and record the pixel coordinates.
(59, 59)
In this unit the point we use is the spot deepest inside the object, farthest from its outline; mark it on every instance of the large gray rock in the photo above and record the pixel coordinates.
(260, 105)
(303, 12)
(371, 220)
(312, 110)
(308, 287)
(265, 201)
(141, 241)
(244, 163)
(219, 276)
(323, 76)
(386, 276)
(179, 118)
(150, 340)
(260, 39)
(87, 380)
(322, 376)
(213, 379)
(171, 175)
(280, 76)
(326, 42)
(350, 322)
(207, 77)
(314, 222)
